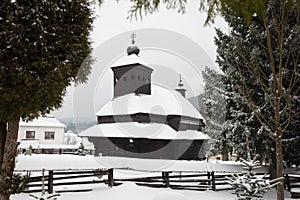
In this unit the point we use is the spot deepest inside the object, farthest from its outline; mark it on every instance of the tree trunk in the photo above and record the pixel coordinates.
(225, 151)
(3, 131)
(10, 150)
(279, 168)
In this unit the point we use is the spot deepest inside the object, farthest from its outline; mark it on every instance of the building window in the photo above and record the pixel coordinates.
(132, 77)
(49, 135)
(144, 79)
(131, 143)
(124, 78)
(139, 78)
(30, 134)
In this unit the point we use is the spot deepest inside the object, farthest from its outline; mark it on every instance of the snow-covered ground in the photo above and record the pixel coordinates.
(130, 191)
(67, 162)
(126, 168)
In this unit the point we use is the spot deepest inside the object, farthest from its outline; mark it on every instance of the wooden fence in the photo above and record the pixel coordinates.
(181, 181)
(292, 181)
(50, 180)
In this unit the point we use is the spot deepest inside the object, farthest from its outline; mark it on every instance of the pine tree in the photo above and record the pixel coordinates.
(43, 46)
(215, 110)
(239, 115)
(264, 58)
(248, 186)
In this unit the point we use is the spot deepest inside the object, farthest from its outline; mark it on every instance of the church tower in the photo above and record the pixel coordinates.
(131, 75)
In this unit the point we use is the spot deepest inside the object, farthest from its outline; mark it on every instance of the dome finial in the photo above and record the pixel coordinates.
(133, 36)
(180, 88)
(180, 84)
(133, 49)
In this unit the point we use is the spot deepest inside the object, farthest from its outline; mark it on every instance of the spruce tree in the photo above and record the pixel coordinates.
(215, 111)
(43, 45)
(264, 58)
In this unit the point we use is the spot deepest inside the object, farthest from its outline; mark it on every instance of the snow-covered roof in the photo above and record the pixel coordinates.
(161, 101)
(141, 130)
(47, 121)
(47, 146)
(128, 60)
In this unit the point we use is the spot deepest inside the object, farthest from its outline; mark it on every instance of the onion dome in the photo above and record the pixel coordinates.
(133, 49)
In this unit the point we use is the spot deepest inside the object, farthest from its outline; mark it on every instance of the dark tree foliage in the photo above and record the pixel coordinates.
(232, 58)
(229, 120)
(44, 44)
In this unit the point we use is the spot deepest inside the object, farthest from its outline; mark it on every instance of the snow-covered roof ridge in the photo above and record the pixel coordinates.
(134, 130)
(46, 121)
(161, 101)
(129, 60)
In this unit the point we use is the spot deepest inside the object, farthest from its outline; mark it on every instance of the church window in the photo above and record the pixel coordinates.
(131, 143)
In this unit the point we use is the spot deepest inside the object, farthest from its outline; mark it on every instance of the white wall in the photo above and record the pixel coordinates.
(40, 134)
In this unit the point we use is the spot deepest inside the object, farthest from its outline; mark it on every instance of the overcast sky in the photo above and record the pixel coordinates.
(170, 42)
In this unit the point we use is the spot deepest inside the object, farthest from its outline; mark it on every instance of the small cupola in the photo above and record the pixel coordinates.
(131, 75)
(181, 88)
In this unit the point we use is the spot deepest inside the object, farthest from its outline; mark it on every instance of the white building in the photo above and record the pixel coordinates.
(44, 130)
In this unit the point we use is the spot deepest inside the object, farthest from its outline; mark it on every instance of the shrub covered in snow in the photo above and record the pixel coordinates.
(12, 185)
(81, 151)
(248, 186)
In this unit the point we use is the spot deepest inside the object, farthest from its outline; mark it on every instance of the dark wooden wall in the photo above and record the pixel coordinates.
(149, 148)
(133, 78)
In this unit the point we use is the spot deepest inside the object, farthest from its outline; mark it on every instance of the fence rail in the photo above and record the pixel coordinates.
(197, 181)
(292, 181)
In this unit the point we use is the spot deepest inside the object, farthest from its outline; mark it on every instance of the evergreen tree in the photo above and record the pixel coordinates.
(248, 186)
(264, 58)
(43, 45)
(215, 110)
(244, 126)
(229, 119)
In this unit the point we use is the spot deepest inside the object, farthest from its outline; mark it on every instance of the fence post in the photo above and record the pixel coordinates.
(287, 182)
(166, 178)
(111, 177)
(50, 182)
(208, 178)
(213, 179)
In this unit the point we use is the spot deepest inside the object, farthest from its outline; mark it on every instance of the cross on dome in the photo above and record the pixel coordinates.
(180, 84)
(133, 36)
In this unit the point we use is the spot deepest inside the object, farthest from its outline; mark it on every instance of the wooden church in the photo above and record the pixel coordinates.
(145, 120)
